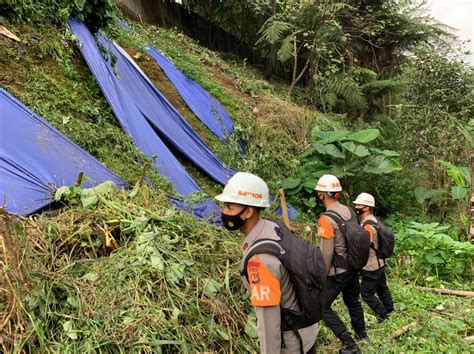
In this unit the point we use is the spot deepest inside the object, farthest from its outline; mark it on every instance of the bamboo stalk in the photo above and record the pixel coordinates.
(448, 291)
(404, 330)
(284, 208)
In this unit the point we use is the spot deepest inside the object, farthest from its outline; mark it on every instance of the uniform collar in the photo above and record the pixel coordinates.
(253, 235)
(370, 217)
(333, 206)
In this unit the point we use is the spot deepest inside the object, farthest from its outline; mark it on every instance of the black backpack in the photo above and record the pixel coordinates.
(307, 271)
(386, 239)
(357, 242)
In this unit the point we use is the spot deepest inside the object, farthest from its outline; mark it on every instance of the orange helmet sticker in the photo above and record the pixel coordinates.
(264, 286)
(370, 229)
(325, 229)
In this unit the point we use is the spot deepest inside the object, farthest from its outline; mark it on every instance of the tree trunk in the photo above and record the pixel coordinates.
(295, 78)
(271, 60)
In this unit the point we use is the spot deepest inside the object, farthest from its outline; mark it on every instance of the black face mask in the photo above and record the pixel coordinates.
(359, 211)
(233, 222)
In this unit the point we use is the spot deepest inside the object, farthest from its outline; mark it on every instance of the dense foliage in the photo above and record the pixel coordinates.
(372, 91)
(431, 252)
(96, 13)
(346, 155)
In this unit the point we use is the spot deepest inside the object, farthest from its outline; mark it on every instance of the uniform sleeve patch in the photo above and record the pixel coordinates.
(264, 286)
(325, 229)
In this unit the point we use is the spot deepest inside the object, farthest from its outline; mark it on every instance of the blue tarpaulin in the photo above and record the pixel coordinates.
(162, 116)
(36, 158)
(204, 106)
(135, 122)
(131, 94)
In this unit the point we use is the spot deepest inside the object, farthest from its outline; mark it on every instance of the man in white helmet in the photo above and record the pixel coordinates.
(244, 196)
(374, 278)
(340, 279)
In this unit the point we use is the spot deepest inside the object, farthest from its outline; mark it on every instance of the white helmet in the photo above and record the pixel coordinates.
(246, 189)
(365, 199)
(328, 183)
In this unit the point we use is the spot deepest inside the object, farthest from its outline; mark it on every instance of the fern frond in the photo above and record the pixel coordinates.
(330, 99)
(272, 31)
(364, 74)
(380, 87)
(285, 51)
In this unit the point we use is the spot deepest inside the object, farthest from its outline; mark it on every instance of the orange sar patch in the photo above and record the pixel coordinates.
(264, 286)
(370, 229)
(325, 229)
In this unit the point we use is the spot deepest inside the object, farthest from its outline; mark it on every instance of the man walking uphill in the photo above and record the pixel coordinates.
(340, 277)
(374, 279)
(268, 281)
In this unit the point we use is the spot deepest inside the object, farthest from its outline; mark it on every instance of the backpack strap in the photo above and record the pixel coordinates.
(375, 225)
(264, 245)
(341, 223)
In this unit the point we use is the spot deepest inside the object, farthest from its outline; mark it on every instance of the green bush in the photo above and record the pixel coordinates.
(344, 154)
(95, 13)
(430, 252)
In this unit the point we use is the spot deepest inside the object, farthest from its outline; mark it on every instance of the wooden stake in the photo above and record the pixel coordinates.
(404, 330)
(448, 291)
(5, 32)
(79, 179)
(284, 208)
(142, 176)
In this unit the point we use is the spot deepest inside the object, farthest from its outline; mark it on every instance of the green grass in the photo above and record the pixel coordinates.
(443, 323)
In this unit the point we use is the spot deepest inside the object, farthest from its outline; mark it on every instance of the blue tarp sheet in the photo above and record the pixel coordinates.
(204, 106)
(131, 94)
(36, 158)
(162, 116)
(134, 121)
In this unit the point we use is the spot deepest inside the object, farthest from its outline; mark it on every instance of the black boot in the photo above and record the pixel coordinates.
(362, 337)
(349, 346)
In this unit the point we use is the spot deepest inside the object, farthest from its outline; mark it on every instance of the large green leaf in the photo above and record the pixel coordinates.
(459, 175)
(326, 137)
(340, 171)
(310, 152)
(294, 190)
(89, 195)
(381, 165)
(251, 326)
(309, 185)
(422, 193)
(310, 203)
(290, 183)
(358, 150)
(310, 168)
(364, 136)
(388, 153)
(315, 150)
(459, 192)
(334, 151)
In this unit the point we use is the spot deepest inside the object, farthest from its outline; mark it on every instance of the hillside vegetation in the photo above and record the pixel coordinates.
(130, 273)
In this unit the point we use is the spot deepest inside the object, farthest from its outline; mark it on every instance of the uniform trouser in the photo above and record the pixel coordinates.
(348, 284)
(375, 282)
